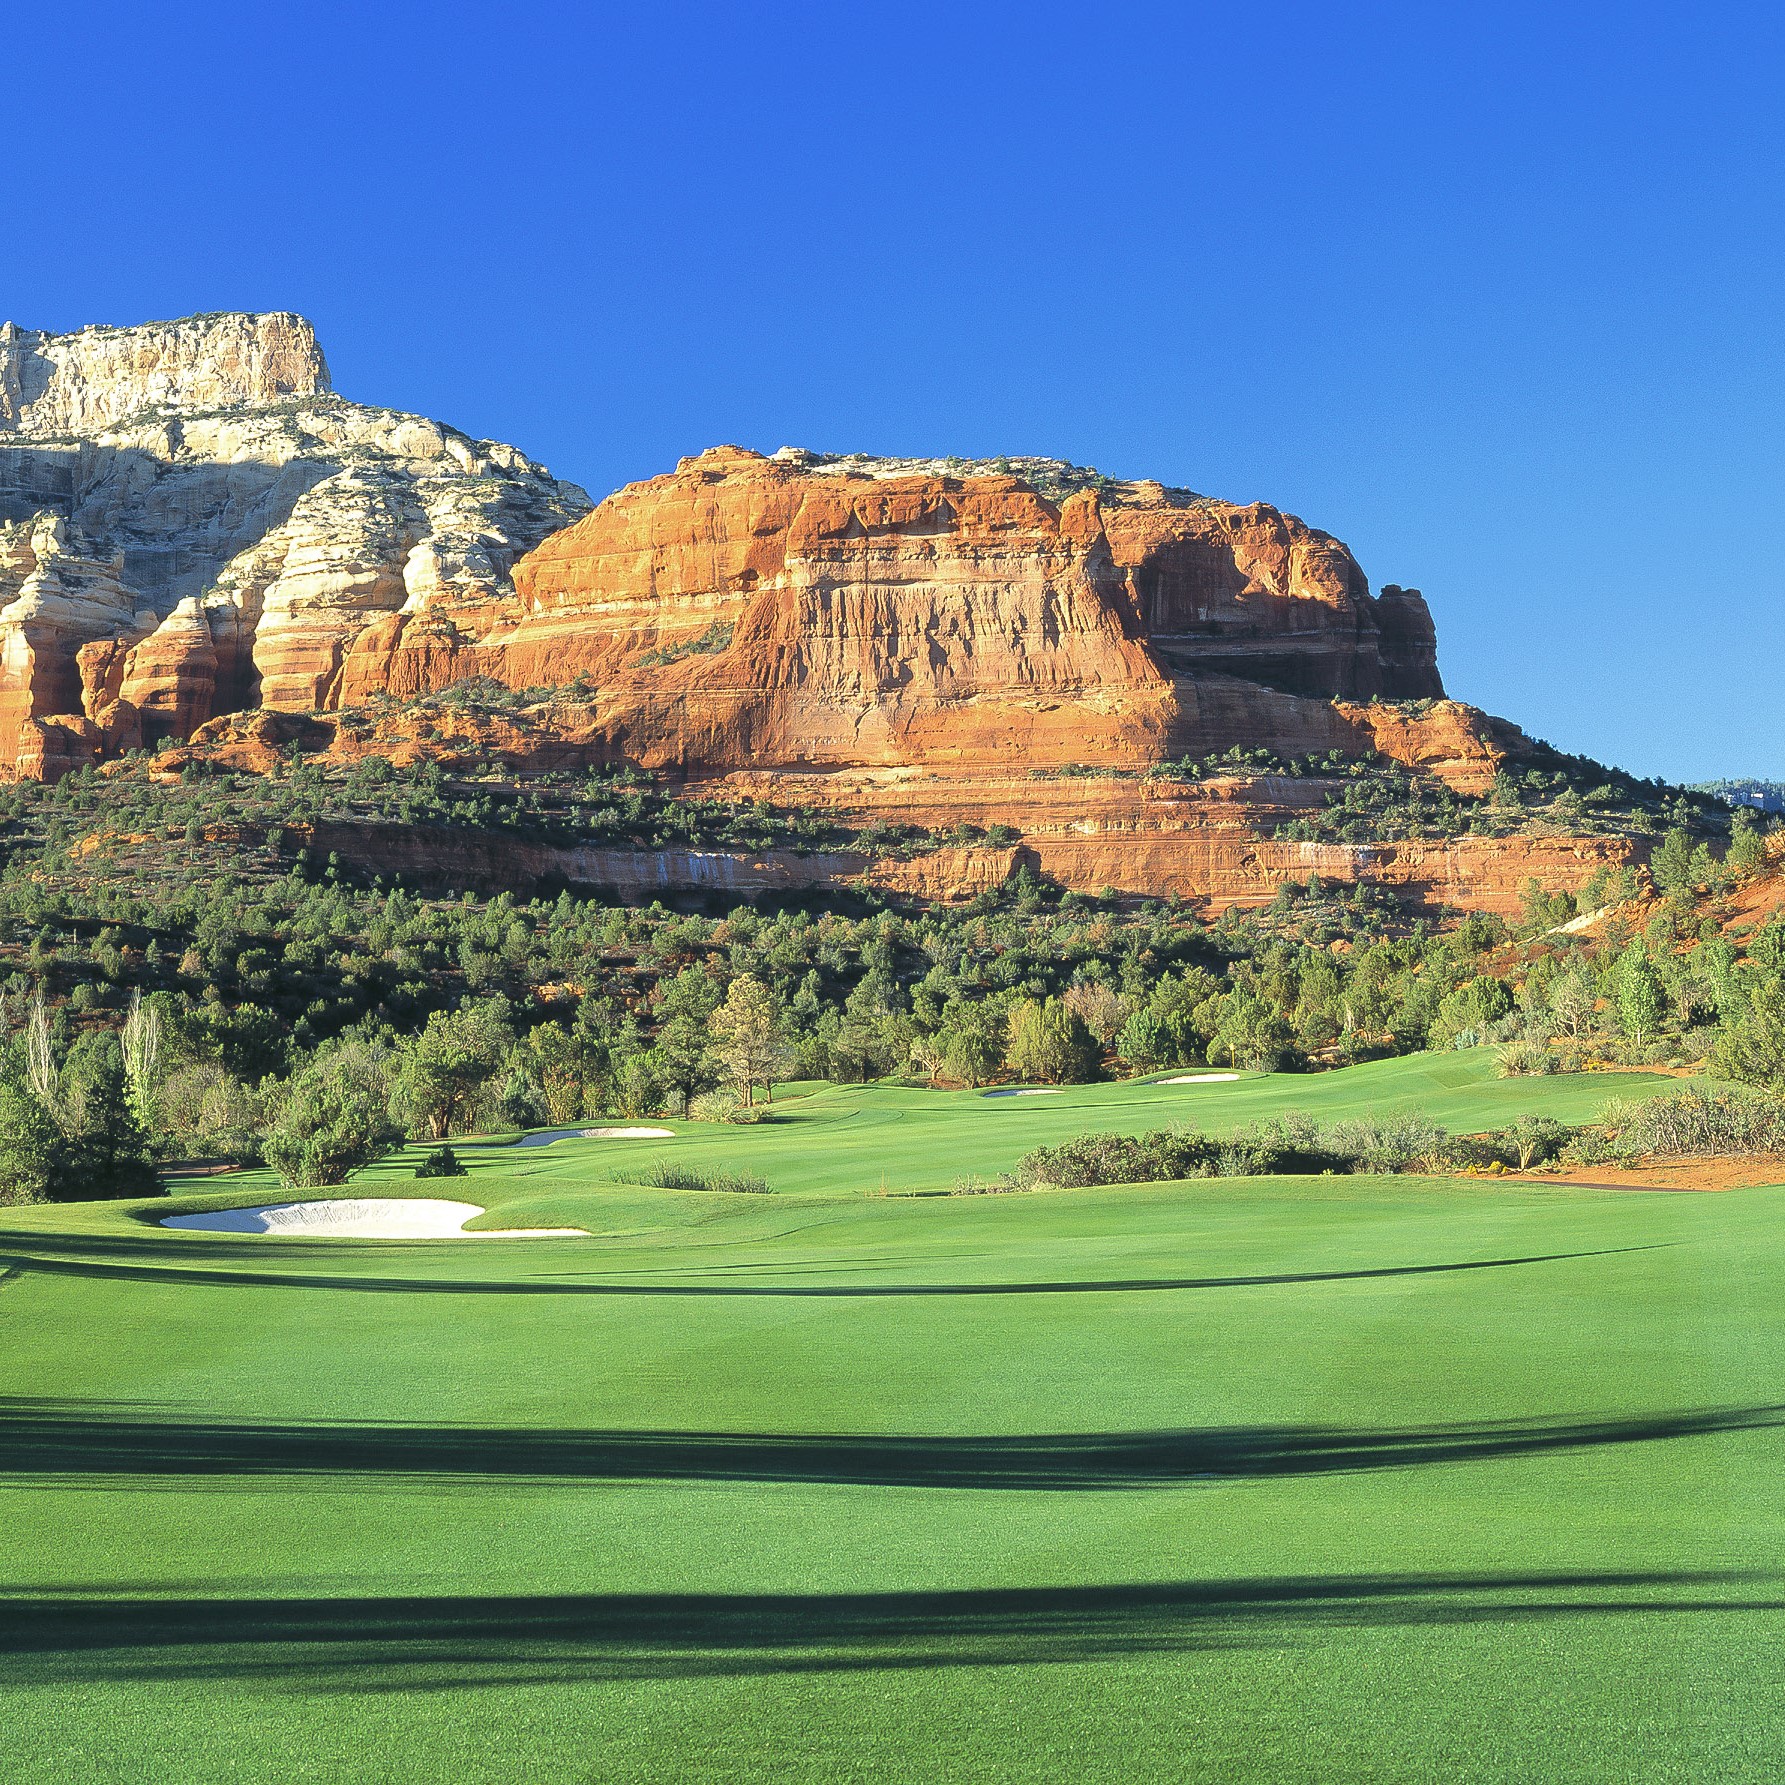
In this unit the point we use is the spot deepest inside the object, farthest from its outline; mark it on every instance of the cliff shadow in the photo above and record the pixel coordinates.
(223, 508)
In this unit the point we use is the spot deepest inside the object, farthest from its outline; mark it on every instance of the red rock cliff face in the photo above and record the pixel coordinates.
(800, 612)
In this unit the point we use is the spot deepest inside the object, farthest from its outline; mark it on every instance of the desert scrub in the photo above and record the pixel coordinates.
(1695, 1123)
(1530, 1141)
(1390, 1143)
(1527, 1059)
(1290, 1145)
(723, 1106)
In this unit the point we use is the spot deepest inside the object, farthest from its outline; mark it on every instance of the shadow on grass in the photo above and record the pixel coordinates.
(146, 1262)
(404, 1644)
(81, 1442)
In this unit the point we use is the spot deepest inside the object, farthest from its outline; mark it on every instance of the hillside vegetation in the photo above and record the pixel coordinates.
(297, 1006)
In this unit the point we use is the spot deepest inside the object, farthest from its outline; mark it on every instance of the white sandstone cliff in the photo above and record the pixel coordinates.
(191, 522)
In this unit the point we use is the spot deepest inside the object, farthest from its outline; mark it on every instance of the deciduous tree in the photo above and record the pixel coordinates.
(747, 1038)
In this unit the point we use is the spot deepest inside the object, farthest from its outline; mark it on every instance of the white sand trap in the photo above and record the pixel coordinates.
(1201, 1078)
(1052, 1091)
(546, 1136)
(363, 1218)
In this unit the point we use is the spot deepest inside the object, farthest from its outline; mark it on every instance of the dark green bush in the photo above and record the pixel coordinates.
(1120, 1159)
(442, 1162)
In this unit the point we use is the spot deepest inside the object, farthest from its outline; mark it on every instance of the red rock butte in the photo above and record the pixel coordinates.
(942, 644)
(803, 612)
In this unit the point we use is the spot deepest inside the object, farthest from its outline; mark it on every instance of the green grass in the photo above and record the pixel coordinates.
(855, 1139)
(1297, 1479)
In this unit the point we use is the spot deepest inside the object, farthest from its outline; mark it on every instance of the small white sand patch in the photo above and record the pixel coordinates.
(363, 1218)
(1201, 1078)
(546, 1136)
(1052, 1091)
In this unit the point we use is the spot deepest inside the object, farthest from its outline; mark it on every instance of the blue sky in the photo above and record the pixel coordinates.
(1491, 292)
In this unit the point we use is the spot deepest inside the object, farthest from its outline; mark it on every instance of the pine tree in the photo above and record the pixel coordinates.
(1747, 853)
(107, 1150)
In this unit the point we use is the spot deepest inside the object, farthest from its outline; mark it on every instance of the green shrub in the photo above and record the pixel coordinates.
(1391, 1143)
(1119, 1159)
(442, 1162)
(1694, 1122)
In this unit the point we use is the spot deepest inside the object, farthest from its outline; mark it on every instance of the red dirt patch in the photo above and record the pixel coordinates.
(1671, 1174)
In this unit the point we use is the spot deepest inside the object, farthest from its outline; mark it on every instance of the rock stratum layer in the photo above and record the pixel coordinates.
(192, 523)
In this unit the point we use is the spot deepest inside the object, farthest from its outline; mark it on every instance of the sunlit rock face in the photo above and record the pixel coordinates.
(192, 523)
(805, 610)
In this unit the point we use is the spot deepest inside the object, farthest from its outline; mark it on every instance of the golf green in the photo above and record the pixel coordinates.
(1278, 1479)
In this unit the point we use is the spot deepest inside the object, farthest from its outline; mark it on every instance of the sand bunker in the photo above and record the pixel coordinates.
(1052, 1091)
(363, 1218)
(1201, 1078)
(547, 1136)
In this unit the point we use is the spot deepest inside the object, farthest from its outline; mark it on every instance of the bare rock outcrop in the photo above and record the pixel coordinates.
(86, 382)
(192, 523)
(808, 611)
(199, 540)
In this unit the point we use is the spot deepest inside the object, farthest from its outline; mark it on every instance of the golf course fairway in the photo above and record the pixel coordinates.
(1232, 1479)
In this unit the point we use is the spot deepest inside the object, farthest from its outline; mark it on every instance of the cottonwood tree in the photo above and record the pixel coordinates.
(970, 1040)
(1048, 1044)
(1572, 1005)
(747, 1039)
(333, 1115)
(1641, 1000)
(1250, 1032)
(40, 1059)
(1099, 1007)
(449, 1073)
(142, 1057)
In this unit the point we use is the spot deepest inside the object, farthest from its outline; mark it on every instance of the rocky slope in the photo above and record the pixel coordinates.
(1216, 839)
(200, 540)
(191, 523)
